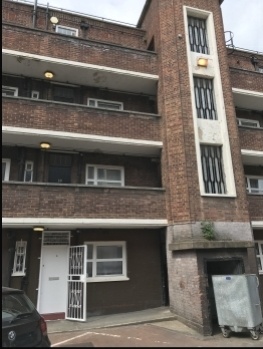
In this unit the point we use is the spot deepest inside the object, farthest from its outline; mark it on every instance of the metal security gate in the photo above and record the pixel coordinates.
(76, 307)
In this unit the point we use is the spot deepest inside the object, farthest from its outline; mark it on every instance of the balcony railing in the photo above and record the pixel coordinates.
(65, 117)
(251, 138)
(78, 201)
(255, 207)
(78, 50)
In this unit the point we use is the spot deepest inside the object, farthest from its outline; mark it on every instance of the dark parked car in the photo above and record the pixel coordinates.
(22, 326)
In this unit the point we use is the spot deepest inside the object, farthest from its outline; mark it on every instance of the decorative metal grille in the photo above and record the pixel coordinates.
(204, 98)
(76, 294)
(56, 238)
(76, 307)
(20, 258)
(76, 261)
(198, 35)
(212, 166)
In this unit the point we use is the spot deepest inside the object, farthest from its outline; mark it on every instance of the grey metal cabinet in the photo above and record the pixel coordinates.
(238, 304)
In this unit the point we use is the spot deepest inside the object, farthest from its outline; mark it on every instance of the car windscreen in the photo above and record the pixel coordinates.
(15, 305)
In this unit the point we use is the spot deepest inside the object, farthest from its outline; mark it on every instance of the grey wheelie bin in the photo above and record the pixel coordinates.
(238, 304)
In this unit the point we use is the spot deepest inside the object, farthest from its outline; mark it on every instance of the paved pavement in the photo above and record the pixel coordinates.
(149, 328)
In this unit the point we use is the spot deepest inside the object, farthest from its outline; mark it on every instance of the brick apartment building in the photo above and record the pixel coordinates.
(118, 143)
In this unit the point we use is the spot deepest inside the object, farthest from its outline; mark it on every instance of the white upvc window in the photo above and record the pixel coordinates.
(67, 30)
(20, 259)
(104, 175)
(259, 255)
(106, 261)
(9, 91)
(101, 103)
(5, 169)
(28, 171)
(254, 184)
(35, 94)
(248, 122)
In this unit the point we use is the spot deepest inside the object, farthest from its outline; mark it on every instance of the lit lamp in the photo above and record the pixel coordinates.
(202, 62)
(45, 145)
(38, 229)
(54, 21)
(49, 75)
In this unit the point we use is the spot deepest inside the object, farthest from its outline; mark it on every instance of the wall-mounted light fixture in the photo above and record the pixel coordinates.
(84, 25)
(45, 145)
(49, 75)
(202, 62)
(38, 229)
(54, 21)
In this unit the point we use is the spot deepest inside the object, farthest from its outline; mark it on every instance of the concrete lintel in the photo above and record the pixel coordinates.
(201, 244)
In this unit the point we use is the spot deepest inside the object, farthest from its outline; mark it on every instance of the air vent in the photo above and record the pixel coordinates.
(56, 238)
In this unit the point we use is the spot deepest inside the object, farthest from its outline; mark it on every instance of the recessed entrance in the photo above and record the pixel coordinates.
(219, 267)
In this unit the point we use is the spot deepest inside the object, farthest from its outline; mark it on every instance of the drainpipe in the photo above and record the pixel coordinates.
(47, 16)
(35, 14)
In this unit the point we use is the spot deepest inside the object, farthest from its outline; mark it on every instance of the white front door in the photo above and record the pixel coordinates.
(52, 297)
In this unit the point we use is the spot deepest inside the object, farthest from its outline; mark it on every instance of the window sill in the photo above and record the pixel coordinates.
(18, 274)
(107, 279)
(219, 195)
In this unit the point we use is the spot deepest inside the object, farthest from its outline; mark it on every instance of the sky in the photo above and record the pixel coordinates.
(244, 18)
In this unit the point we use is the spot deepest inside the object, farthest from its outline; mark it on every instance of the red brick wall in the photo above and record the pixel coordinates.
(184, 203)
(22, 14)
(75, 49)
(251, 139)
(69, 118)
(246, 80)
(255, 207)
(57, 201)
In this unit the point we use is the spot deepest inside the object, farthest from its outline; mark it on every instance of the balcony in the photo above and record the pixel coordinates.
(255, 207)
(78, 61)
(69, 126)
(251, 138)
(58, 201)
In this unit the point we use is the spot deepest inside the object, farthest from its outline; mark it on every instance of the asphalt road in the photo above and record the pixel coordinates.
(160, 334)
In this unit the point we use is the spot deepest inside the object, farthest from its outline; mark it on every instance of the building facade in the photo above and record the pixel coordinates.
(120, 145)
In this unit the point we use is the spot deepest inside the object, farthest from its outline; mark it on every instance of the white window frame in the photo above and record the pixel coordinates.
(242, 122)
(20, 244)
(7, 169)
(253, 190)
(97, 102)
(260, 255)
(94, 260)
(15, 89)
(107, 183)
(26, 170)
(35, 94)
(68, 28)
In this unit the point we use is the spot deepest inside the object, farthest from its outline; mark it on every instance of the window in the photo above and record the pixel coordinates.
(104, 175)
(63, 94)
(259, 256)
(198, 35)
(28, 172)
(99, 103)
(248, 123)
(9, 91)
(212, 167)
(204, 98)
(66, 30)
(5, 169)
(20, 259)
(106, 261)
(59, 170)
(255, 185)
(35, 94)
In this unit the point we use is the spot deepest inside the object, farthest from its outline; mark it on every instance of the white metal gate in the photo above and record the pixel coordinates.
(76, 307)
